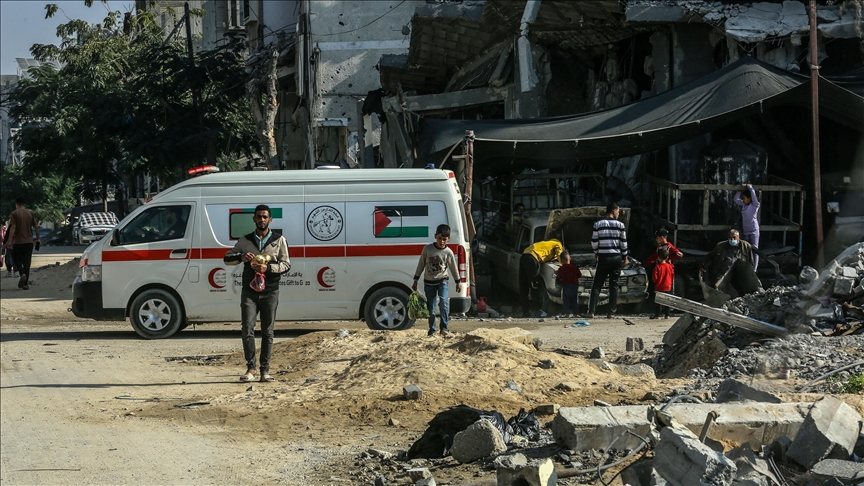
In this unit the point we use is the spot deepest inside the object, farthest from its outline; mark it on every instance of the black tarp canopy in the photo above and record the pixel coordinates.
(741, 89)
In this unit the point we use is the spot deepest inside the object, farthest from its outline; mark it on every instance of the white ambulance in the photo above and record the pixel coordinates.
(354, 238)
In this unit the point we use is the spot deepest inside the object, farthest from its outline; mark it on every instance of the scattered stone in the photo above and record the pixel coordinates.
(379, 453)
(849, 272)
(843, 285)
(479, 440)
(597, 353)
(538, 472)
(510, 461)
(829, 431)
(635, 344)
(393, 422)
(426, 482)
(546, 364)
(623, 389)
(547, 409)
(381, 480)
(251, 388)
(652, 396)
(412, 392)
(846, 471)
(601, 403)
(736, 391)
(418, 473)
(567, 386)
(684, 461)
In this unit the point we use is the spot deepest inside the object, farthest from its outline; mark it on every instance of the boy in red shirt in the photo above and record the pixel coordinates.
(662, 276)
(660, 237)
(569, 276)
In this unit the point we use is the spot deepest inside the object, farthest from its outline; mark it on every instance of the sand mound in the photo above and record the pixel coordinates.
(485, 368)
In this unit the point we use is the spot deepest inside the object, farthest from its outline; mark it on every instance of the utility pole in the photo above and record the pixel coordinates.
(814, 103)
(196, 96)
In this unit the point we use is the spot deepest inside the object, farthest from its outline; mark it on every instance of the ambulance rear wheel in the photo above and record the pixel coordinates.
(156, 314)
(387, 310)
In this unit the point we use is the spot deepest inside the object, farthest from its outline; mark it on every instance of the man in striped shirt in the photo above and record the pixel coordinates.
(609, 241)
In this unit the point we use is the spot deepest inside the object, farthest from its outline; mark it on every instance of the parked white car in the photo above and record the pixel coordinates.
(92, 227)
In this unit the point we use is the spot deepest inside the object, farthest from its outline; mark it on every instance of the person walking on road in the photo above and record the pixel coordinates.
(750, 214)
(609, 242)
(22, 225)
(262, 241)
(529, 271)
(435, 260)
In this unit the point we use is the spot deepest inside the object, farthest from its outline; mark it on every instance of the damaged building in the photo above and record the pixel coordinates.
(577, 86)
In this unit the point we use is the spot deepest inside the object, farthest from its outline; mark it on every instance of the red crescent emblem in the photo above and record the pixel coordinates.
(212, 280)
(321, 281)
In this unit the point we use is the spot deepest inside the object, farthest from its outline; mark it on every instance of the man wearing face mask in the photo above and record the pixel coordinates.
(722, 258)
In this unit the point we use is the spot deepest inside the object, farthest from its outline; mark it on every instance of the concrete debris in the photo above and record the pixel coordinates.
(676, 332)
(635, 344)
(848, 472)
(538, 472)
(736, 391)
(546, 364)
(567, 386)
(684, 461)
(829, 432)
(479, 440)
(418, 473)
(426, 482)
(510, 461)
(547, 409)
(412, 392)
(586, 428)
(597, 353)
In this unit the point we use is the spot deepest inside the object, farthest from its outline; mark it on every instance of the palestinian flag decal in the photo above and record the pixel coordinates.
(400, 222)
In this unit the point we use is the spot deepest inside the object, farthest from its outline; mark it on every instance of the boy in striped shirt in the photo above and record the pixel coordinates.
(609, 242)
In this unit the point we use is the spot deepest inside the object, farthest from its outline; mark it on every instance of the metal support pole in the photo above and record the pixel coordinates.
(196, 96)
(469, 185)
(814, 101)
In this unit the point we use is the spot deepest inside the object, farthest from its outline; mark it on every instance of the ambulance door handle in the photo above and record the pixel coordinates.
(181, 253)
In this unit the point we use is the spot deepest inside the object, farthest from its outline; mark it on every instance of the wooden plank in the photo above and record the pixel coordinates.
(719, 315)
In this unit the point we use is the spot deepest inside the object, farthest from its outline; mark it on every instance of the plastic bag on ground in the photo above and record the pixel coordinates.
(417, 307)
(525, 424)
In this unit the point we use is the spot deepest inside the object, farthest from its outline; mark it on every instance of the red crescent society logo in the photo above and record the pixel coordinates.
(326, 277)
(217, 280)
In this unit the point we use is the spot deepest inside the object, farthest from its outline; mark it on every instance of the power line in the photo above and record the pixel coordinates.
(363, 26)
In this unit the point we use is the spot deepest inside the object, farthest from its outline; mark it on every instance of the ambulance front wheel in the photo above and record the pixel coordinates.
(156, 314)
(387, 310)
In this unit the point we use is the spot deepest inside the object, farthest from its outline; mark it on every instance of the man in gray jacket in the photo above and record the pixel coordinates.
(262, 241)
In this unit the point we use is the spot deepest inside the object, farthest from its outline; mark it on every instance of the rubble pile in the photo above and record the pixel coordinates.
(823, 314)
(800, 357)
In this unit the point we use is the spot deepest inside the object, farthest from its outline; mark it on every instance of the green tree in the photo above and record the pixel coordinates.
(121, 104)
(47, 197)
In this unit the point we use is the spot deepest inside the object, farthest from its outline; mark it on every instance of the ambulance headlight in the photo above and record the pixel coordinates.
(91, 273)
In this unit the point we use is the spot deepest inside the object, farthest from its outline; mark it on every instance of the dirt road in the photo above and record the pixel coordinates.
(86, 402)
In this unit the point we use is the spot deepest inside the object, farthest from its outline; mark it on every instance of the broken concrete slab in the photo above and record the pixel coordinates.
(597, 353)
(479, 440)
(848, 472)
(829, 432)
(656, 13)
(719, 315)
(426, 482)
(586, 428)
(677, 331)
(850, 272)
(732, 390)
(538, 472)
(684, 461)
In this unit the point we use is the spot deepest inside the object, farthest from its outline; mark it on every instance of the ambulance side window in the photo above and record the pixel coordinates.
(156, 224)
